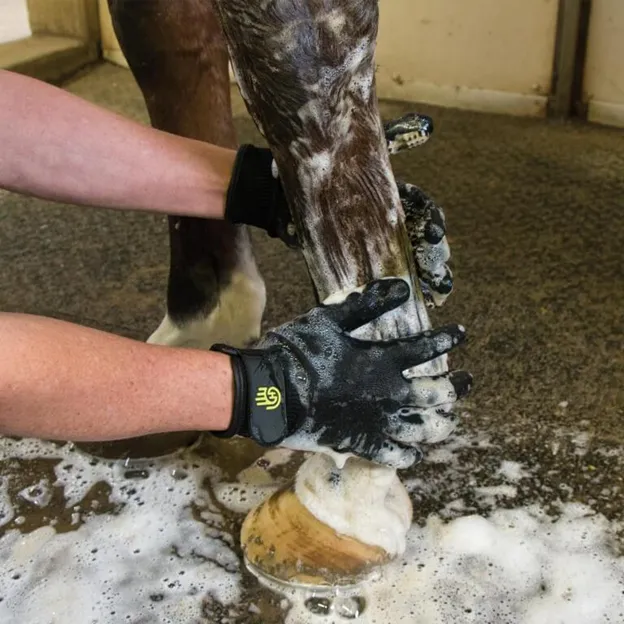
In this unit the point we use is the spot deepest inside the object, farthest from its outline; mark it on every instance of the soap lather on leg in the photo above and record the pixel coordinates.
(306, 72)
(424, 219)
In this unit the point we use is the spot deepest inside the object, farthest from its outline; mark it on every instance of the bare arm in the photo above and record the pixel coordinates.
(59, 147)
(65, 382)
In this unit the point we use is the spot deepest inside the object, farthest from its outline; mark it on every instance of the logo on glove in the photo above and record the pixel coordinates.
(269, 397)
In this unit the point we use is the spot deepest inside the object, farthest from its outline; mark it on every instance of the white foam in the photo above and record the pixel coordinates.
(318, 166)
(254, 484)
(517, 567)
(117, 569)
(512, 471)
(6, 508)
(302, 441)
(150, 561)
(367, 503)
(336, 20)
(38, 494)
(155, 562)
(490, 494)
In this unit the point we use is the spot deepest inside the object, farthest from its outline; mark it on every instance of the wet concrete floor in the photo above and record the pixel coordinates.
(535, 213)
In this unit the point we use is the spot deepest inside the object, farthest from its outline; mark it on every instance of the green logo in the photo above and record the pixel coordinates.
(269, 397)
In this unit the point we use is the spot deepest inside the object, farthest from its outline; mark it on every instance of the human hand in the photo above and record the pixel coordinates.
(311, 386)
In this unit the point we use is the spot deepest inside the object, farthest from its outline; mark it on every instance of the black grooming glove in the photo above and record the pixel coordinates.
(426, 227)
(312, 386)
(424, 219)
(407, 132)
(255, 196)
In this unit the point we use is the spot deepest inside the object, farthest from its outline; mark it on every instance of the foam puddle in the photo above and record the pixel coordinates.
(151, 561)
(515, 567)
(165, 550)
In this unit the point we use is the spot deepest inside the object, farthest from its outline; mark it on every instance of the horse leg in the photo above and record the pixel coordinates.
(215, 293)
(306, 72)
(178, 56)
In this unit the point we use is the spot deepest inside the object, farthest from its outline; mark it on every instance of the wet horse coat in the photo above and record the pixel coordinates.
(306, 71)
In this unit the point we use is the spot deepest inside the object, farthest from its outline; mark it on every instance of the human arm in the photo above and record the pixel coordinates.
(66, 382)
(59, 147)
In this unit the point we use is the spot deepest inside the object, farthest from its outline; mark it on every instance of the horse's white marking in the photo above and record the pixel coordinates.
(235, 321)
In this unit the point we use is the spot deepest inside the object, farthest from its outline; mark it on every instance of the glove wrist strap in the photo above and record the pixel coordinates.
(259, 410)
(238, 424)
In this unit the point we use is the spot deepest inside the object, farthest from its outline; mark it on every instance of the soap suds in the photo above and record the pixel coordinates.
(512, 471)
(165, 555)
(39, 494)
(6, 509)
(150, 561)
(491, 494)
(368, 504)
(516, 567)
(254, 484)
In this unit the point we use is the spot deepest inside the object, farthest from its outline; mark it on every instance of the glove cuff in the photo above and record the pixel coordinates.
(238, 424)
(251, 192)
(259, 410)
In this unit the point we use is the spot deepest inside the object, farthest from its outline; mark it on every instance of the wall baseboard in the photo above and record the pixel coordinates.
(606, 113)
(49, 58)
(116, 57)
(481, 100)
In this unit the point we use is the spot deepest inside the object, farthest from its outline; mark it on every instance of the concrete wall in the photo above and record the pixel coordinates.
(14, 22)
(493, 55)
(604, 70)
(77, 19)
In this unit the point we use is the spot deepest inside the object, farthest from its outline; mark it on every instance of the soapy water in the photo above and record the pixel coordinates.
(150, 560)
(346, 602)
(159, 545)
(515, 567)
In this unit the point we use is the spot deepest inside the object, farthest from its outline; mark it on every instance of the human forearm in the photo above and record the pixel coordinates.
(59, 147)
(66, 382)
